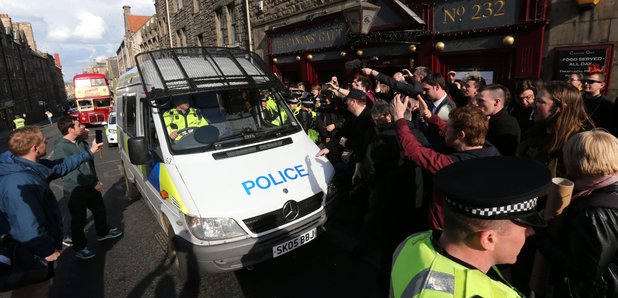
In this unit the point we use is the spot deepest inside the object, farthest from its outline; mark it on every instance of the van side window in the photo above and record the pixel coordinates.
(130, 115)
(150, 131)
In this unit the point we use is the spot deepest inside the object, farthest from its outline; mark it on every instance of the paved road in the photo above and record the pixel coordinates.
(136, 265)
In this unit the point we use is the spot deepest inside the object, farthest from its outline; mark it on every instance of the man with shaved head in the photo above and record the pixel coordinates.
(504, 132)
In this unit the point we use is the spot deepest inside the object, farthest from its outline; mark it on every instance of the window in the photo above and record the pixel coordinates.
(226, 26)
(130, 112)
(150, 132)
(196, 6)
(181, 38)
(221, 26)
(232, 25)
(200, 39)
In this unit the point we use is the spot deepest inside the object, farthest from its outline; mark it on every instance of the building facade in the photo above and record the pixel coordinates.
(311, 40)
(130, 45)
(30, 81)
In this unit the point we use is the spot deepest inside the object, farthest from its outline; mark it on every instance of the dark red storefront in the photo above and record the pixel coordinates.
(500, 38)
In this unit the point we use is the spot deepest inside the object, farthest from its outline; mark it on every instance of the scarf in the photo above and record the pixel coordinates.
(584, 185)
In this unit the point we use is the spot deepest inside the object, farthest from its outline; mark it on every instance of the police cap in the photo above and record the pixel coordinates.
(308, 102)
(291, 98)
(500, 187)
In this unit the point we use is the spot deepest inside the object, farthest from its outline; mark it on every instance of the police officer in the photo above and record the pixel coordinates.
(487, 217)
(293, 102)
(19, 122)
(307, 118)
(181, 117)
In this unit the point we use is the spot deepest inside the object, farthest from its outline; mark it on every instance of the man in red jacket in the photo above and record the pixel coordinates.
(465, 132)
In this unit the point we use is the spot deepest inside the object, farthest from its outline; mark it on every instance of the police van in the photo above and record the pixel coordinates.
(238, 189)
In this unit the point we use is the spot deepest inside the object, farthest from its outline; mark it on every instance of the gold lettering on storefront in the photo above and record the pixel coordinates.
(474, 11)
(307, 39)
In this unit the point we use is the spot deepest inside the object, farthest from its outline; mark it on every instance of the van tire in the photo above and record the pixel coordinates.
(132, 192)
(177, 257)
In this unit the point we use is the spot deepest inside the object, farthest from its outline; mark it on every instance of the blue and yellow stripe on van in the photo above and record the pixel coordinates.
(160, 179)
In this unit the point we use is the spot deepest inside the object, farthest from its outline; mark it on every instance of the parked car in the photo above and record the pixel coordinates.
(110, 130)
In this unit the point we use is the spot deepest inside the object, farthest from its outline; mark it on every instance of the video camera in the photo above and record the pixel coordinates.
(357, 64)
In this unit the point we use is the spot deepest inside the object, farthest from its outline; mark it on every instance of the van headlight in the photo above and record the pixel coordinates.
(213, 228)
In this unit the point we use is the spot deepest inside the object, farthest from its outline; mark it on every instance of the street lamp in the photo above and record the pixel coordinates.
(360, 16)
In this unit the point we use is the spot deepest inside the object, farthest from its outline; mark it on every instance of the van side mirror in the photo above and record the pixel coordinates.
(138, 150)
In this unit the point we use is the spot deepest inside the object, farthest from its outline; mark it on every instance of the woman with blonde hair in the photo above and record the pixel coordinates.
(584, 256)
(559, 113)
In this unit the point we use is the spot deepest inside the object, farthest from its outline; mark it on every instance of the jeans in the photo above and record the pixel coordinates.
(82, 198)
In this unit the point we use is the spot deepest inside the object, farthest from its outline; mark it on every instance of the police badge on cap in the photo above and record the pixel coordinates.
(500, 187)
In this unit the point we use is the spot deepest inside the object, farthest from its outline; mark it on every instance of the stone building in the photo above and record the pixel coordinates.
(202, 23)
(310, 40)
(582, 35)
(30, 81)
(130, 45)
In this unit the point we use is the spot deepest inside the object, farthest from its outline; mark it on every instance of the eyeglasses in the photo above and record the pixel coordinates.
(426, 89)
(590, 82)
(573, 80)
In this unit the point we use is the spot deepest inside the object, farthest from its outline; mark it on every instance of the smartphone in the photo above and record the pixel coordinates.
(98, 136)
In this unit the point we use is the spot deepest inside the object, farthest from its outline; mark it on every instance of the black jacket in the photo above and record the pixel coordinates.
(603, 111)
(358, 131)
(504, 132)
(411, 89)
(585, 257)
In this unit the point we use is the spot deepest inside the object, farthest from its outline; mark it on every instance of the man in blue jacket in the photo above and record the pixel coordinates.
(28, 208)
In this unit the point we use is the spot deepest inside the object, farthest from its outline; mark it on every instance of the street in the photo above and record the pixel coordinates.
(136, 264)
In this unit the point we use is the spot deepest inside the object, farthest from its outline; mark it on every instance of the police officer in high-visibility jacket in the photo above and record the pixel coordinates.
(489, 210)
(19, 122)
(307, 118)
(181, 117)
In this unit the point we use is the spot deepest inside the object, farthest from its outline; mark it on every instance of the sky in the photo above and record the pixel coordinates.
(80, 31)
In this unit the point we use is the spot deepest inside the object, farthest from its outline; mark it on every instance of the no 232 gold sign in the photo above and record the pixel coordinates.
(473, 11)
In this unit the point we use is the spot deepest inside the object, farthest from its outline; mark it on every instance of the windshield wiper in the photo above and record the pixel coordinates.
(245, 134)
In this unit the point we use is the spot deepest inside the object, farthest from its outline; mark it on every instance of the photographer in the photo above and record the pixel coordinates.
(330, 115)
(400, 86)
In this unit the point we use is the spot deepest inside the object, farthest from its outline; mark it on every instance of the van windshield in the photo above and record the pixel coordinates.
(225, 119)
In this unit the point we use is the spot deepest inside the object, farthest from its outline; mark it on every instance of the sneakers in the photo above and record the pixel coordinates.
(84, 254)
(112, 233)
(68, 242)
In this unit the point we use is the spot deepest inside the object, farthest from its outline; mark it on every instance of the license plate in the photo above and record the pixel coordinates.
(293, 244)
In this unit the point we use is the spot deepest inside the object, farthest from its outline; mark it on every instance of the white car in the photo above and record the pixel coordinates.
(110, 130)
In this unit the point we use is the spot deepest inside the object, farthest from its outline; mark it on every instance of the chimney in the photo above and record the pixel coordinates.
(126, 14)
(57, 59)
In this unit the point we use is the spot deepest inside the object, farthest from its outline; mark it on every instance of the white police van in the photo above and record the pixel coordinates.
(238, 191)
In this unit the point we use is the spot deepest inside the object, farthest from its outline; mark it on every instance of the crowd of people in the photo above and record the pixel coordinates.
(390, 135)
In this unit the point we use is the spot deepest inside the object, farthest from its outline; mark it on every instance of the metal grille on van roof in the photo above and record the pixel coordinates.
(178, 71)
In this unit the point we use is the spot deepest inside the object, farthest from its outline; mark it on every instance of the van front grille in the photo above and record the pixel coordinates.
(273, 219)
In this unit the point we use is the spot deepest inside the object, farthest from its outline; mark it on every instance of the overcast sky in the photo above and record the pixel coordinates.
(79, 30)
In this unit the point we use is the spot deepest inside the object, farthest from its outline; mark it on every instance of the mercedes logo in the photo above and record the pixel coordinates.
(290, 210)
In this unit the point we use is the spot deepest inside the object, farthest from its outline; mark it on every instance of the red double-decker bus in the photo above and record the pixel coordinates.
(92, 97)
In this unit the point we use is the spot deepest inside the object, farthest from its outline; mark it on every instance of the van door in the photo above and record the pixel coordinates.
(149, 175)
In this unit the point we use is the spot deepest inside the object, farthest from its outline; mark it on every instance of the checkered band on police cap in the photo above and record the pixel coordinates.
(500, 187)
(496, 211)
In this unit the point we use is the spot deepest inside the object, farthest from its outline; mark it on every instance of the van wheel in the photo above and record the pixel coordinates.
(177, 257)
(131, 190)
